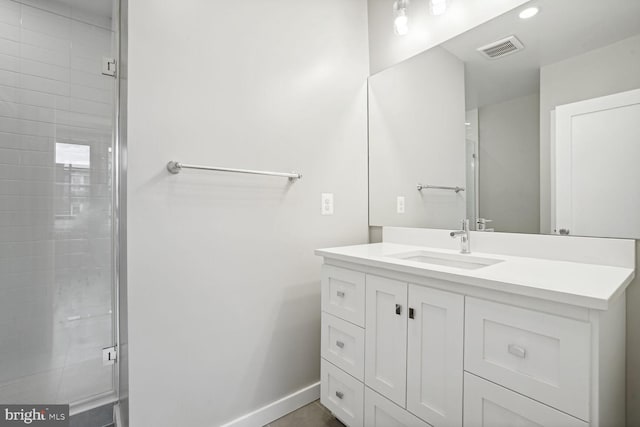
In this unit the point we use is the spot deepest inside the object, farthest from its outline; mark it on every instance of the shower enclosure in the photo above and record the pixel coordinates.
(58, 202)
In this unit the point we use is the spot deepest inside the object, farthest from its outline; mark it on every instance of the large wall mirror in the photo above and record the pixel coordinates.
(533, 124)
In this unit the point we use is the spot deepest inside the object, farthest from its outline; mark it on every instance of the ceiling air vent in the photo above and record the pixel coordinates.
(501, 48)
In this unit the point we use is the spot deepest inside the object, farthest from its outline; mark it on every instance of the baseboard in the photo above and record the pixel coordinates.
(277, 409)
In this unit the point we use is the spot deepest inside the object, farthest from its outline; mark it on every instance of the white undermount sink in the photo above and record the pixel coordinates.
(465, 261)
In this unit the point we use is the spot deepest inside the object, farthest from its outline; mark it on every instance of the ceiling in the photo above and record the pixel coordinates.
(562, 29)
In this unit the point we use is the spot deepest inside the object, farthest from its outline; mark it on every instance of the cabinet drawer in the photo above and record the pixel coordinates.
(343, 345)
(381, 412)
(343, 294)
(542, 356)
(489, 405)
(342, 394)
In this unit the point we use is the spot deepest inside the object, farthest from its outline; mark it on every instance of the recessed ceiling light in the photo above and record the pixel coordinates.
(529, 13)
(437, 7)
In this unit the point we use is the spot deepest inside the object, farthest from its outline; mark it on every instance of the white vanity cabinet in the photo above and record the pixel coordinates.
(402, 349)
(412, 352)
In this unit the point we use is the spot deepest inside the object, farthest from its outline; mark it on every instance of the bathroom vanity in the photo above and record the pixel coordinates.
(525, 330)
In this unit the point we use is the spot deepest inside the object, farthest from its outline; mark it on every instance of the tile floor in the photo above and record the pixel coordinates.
(312, 415)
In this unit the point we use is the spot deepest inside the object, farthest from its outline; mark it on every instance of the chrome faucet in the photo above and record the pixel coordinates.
(465, 246)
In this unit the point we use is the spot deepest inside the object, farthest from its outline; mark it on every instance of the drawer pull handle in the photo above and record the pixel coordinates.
(340, 344)
(339, 394)
(412, 314)
(340, 294)
(398, 309)
(517, 351)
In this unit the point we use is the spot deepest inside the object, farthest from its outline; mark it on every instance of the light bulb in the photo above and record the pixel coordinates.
(437, 7)
(401, 20)
(529, 13)
(401, 25)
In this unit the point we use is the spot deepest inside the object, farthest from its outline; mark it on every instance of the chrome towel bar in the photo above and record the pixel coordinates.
(439, 187)
(175, 167)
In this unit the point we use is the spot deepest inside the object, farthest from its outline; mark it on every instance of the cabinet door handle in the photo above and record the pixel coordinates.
(340, 344)
(411, 313)
(339, 394)
(517, 351)
(398, 309)
(340, 294)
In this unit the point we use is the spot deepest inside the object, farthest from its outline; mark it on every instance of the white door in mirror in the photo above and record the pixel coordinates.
(597, 178)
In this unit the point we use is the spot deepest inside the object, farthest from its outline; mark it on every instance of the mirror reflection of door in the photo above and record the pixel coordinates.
(600, 134)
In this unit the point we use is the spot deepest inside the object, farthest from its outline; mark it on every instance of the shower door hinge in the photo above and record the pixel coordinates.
(109, 355)
(109, 67)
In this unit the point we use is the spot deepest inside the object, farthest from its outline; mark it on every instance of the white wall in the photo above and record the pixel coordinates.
(425, 31)
(611, 69)
(509, 179)
(224, 293)
(417, 135)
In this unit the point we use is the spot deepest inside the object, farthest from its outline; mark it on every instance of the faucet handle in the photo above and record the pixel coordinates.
(482, 224)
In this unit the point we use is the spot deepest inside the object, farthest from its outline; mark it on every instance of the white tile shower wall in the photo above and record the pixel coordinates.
(223, 286)
(55, 265)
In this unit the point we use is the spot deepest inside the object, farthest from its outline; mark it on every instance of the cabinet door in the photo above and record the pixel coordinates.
(489, 405)
(380, 412)
(435, 355)
(386, 338)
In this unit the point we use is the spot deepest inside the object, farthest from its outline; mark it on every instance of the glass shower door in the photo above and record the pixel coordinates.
(57, 308)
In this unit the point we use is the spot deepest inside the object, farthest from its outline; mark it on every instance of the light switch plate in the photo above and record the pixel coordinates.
(327, 204)
(400, 204)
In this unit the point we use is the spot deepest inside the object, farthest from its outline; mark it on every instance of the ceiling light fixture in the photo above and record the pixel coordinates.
(401, 20)
(529, 12)
(437, 7)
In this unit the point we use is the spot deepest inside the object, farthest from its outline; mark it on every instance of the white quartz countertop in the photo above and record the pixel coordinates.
(585, 285)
